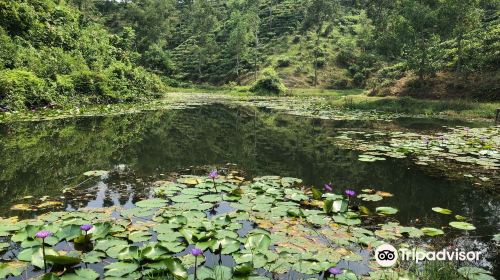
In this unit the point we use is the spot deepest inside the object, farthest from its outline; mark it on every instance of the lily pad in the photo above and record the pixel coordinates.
(386, 210)
(442, 210)
(463, 225)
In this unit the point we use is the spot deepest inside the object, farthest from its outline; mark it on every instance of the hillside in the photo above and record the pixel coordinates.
(98, 51)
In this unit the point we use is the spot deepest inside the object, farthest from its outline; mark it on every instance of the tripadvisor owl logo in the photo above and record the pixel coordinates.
(386, 255)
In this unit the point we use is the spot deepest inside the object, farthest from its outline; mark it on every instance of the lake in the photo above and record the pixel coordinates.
(42, 159)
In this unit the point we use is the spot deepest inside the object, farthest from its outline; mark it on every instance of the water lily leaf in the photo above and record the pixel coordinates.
(176, 268)
(211, 198)
(386, 210)
(139, 236)
(384, 194)
(189, 180)
(153, 252)
(222, 273)
(185, 199)
(14, 268)
(105, 244)
(21, 207)
(93, 257)
(49, 276)
(346, 275)
(49, 204)
(174, 247)
(460, 218)
(258, 242)
(100, 230)
(127, 253)
(151, 203)
(431, 231)
(370, 197)
(69, 232)
(243, 269)
(81, 274)
(63, 260)
(119, 269)
(96, 173)
(3, 246)
(441, 210)
(228, 245)
(463, 225)
(37, 255)
(137, 212)
(496, 237)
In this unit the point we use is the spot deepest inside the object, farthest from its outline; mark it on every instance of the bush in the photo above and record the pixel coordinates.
(20, 89)
(283, 62)
(339, 81)
(270, 83)
(93, 85)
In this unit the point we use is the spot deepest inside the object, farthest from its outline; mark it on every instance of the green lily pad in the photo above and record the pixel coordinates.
(463, 225)
(119, 269)
(431, 231)
(151, 203)
(81, 274)
(386, 210)
(442, 210)
(96, 173)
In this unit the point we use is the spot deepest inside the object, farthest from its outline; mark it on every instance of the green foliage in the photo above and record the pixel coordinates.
(332, 44)
(50, 55)
(20, 89)
(270, 83)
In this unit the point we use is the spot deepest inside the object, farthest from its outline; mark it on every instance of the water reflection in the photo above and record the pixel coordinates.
(43, 158)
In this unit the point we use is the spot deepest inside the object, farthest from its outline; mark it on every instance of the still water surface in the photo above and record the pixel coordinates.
(43, 158)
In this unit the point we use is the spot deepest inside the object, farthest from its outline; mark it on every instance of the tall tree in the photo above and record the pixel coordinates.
(239, 38)
(459, 17)
(419, 30)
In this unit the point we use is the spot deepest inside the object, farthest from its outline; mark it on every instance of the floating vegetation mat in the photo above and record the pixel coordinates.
(218, 227)
(463, 151)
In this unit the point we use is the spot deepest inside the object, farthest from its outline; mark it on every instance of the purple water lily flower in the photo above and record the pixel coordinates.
(196, 252)
(335, 271)
(86, 227)
(328, 188)
(213, 174)
(43, 234)
(350, 193)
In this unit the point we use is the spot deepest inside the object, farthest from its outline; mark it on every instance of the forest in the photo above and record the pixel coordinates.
(250, 139)
(73, 52)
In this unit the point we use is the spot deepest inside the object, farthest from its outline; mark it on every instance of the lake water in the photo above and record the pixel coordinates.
(44, 158)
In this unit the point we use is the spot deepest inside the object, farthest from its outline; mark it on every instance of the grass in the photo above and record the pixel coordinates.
(355, 99)
(456, 108)
(436, 270)
(324, 92)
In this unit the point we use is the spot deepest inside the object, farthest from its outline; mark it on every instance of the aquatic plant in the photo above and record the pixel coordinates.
(213, 175)
(43, 234)
(166, 235)
(334, 271)
(86, 228)
(328, 188)
(196, 252)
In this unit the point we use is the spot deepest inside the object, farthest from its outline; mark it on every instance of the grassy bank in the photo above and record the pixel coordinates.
(458, 108)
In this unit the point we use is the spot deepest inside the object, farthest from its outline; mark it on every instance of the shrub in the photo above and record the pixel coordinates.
(339, 81)
(270, 83)
(283, 62)
(20, 89)
(93, 85)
